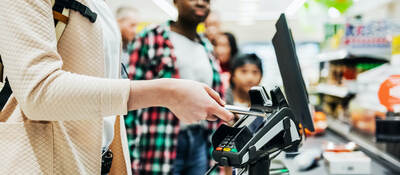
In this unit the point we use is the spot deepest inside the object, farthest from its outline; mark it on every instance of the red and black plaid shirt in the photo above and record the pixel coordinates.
(153, 132)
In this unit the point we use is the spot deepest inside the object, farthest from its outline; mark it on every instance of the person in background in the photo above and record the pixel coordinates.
(127, 18)
(225, 49)
(173, 49)
(213, 27)
(246, 72)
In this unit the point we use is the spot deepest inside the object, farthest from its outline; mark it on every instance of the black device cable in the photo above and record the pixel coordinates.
(212, 169)
(274, 156)
(242, 171)
(124, 68)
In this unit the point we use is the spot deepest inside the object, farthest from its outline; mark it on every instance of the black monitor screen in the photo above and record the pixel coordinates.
(292, 78)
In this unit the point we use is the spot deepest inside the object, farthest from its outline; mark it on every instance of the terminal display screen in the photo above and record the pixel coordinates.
(295, 89)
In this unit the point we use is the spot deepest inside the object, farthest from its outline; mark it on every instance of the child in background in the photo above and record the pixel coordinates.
(246, 72)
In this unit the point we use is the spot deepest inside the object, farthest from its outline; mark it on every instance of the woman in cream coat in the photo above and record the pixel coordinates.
(53, 121)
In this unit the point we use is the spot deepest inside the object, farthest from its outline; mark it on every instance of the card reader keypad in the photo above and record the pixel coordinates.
(227, 145)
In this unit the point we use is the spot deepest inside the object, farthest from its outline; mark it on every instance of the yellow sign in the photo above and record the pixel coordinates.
(396, 45)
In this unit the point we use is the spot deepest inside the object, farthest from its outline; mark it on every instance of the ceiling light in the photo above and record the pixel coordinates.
(248, 14)
(262, 16)
(246, 22)
(333, 12)
(248, 7)
(294, 7)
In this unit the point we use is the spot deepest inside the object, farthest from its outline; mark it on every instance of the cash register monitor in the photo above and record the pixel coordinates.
(295, 90)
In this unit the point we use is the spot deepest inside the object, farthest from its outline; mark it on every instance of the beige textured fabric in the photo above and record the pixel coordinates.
(52, 123)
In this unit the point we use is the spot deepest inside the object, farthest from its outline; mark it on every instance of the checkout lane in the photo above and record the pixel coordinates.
(316, 142)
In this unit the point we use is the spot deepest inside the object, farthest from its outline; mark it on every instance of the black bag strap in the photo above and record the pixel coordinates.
(58, 8)
(6, 91)
(5, 94)
(76, 6)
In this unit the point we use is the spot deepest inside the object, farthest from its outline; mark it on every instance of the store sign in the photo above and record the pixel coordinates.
(368, 38)
(396, 45)
(389, 92)
(395, 92)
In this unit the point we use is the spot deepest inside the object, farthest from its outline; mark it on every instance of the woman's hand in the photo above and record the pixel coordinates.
(189, 100)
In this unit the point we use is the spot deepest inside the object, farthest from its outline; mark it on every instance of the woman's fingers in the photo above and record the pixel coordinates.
(221, 113)
(215, 96)
(212, 118)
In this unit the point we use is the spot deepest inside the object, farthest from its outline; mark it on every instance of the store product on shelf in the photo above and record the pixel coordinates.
(363, 118)
(320, 124)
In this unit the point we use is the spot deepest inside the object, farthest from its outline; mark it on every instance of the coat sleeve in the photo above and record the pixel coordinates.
(33, 66)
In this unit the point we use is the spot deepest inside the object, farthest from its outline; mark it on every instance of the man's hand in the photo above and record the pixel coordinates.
(190, 101)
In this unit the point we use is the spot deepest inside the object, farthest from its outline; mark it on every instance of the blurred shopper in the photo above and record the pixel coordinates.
(127, 18)
(213, 27)
(246, 72)
(159, 143)
(64, 85)
(225, 49)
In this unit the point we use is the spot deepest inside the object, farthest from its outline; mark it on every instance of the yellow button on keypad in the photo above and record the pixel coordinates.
(227, 149)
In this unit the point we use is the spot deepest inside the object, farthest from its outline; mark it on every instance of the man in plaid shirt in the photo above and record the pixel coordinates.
(159, 143)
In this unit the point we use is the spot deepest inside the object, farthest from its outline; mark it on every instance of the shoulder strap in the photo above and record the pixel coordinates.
(61, 16)
(5, 92)
(61, 9)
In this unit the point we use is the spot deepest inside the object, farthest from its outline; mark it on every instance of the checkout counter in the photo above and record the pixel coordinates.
(316, 142)
(259, 142)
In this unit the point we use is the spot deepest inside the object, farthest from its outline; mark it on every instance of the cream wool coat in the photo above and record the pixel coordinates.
(52, 124)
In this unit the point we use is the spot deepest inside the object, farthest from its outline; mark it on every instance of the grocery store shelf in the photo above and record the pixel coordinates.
(343, 56)
(332, 55)
(344, 130)
(334, 90)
